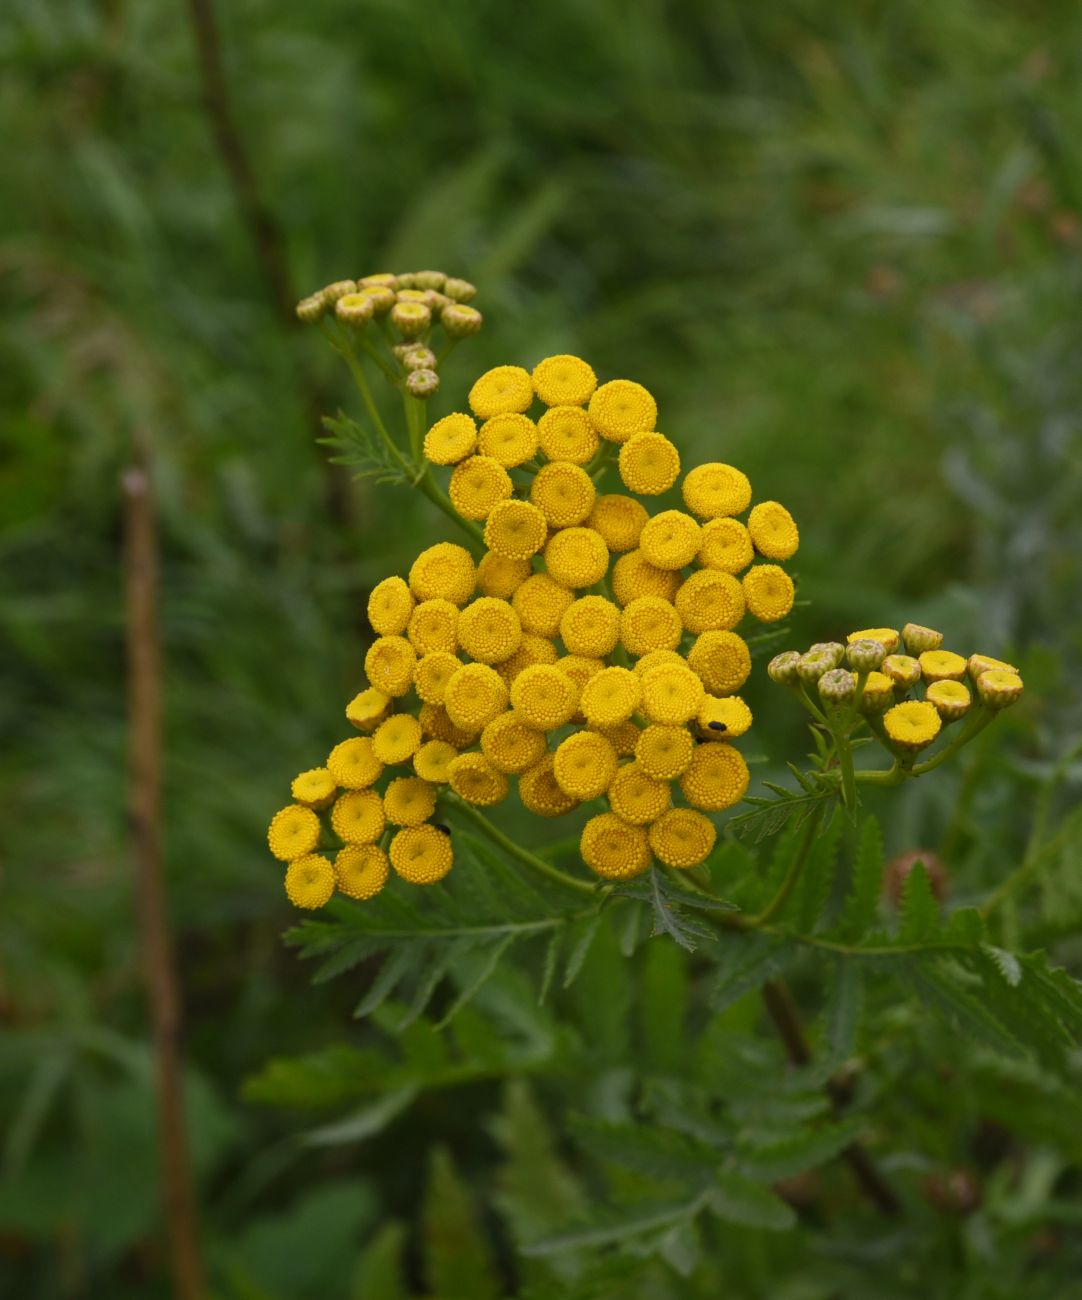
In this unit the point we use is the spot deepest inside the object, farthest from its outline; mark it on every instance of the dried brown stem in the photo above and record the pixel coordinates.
(144, 719)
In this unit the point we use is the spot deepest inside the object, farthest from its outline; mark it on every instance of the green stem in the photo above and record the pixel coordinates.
(792, 876)
(415, 423)
(390, 373)
(972, 728)
(473, 814)
(427, 485)
(445, 352)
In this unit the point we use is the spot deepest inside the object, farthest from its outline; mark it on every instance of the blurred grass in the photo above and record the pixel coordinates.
(840, 243)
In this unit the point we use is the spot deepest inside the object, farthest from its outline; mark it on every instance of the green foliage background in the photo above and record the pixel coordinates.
(841, 244)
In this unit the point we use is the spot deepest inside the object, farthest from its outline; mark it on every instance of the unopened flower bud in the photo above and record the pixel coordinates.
(783, 668)
(383, 279)
(837, 686)
(438, 301)
(354, 310)
(866, 655)
(903, 670)
(950, 699)
(978, 664)
(460, 321)
(311, 309)
(422, 383)
(404, 280)
(887, 635)
(877, 694)
(411, 295)
(834, 649)
(998, 688)
(383, 298)
(419, 358)
(459, 290)
(813, 664)
(918, 639)
(429, 279)
(330, 293)
(410, 318)
(898, 871)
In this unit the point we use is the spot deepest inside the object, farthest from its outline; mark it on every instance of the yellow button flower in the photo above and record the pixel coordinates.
(310, 881)
(432, 761)
(768, 592)
(670, 540)
(998, 688)
(886, 636)
(903, 670)
(978, 664)
(716, 778)
(564, 494)
(621, 408)
(354, 764)
(672, 693)
(543, 697)
(613, 849)
(773, 530)
(590, 627)
(714, 490)
(510, 745)
(912, 725)
(397, 738)
(315, 788)
(390, 606)
(422, 855)
(361, 870)
(568, 433)
(950, 699)
(389, 664)
(664, 751)
(478, 485)
(478, 781)
(432, 674)
(293, 833)
(722, 660)
(877, 694)
(540, 792)
(443, 572)
(501, 391)
(710, 601)
(564, 381)
(409, 801)
(358, 817)
(533, 650)
(916, 638)
(434, 626)
(682, 838)
(489, 630)
(585, 764)
(942, 666)
(611, 697)
(437, 725)
(654, 658)
(541, 603)
(580, 668)
(723, 719)
(636, 797)
(577, 557)
(475, 695)
(516, 530)
(649, 623)
(501, 577)
(368, 708)
(619, 520)
(451, 439)
(649, 464)
(725, 544)
(509, 439)
(633, 575)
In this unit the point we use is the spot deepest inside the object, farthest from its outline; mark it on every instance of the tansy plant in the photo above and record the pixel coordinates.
(582, 649)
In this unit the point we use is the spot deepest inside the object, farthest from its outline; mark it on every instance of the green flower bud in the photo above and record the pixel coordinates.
(383, 299)
(410, 318)
(407, 280)
(813, 665)
(354, 310)
(412, 295)
(384, 279)
(460, 321)
(834, 649)
(437, 302)
(918, 639)
(459, 290)
(903, 670)
(418, 358)
(311, 309)
(999, 688)
(430, 279)
(837, 686)
(422, 383)
(330, 293)
(866, 655)
(783, 668)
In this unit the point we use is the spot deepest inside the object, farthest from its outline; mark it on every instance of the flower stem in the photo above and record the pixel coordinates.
(740, 921)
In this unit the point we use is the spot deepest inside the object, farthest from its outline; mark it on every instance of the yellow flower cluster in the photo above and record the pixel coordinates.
(904, 682)
(592, 653)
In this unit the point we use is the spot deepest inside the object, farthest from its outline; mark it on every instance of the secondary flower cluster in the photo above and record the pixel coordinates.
(410, 304)
(907, 698)
(590, 654)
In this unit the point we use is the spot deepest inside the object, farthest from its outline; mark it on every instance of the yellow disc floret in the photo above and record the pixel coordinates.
(613, 849)
(541, 603)
(722, 660)
(664, 751)
(568, 433)
(577, 557)
(475, 695)
(621, 408)
(315, 788)
(543, 697)
(950, 699)
(540, 792)
(649, 464)
(361, 870)
(477, 485)
(509, 439)
(397, 738)
(354, 764)
(310, 881)
(619, 520)
(714, 490)
(682, 838)
(773, 531)
(670, 539)
(390, 606)
(636, 796)
(478, 781)
(585, 764)
(633, 575)
(510, 745)
(443, 572)
(432, 761)
(723, 719)
(886, 636)
(912, 725)
(656, 657)
(358, 817)
(516, 530)
(422, 855)
(650, 623)
(502, 390)
(564, 493)
(499, 576)
(942, 666)
(611, 697)
(368, 708)
(409, 801)
(564, 381)
(590, 627)
(437, 725)
(389, 664)
(451, 439)
(434, 626)
(726, 545)
(432, 674)
(489, 630)
(533, 650)
(717, 777)
(671, 694)
(768, 592)
(293, 832)
(710, 601)
(998, 688)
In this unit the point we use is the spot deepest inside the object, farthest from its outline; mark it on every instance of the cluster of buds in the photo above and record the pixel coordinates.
(904, 685)
(408, 308)
(590, 655)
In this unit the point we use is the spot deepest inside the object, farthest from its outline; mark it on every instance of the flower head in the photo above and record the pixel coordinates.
(354, 763)
(500, 576)
(422, 855)
(670, 540)
(633, 575)
(293, 832)
(725, 544)
(998, 688)
(389, 664)
(722, 660)
(451, 439)
(942, 666)
(510, 439)
(917, 639)
(510, 745)
(716, 778)
(590, 627)
(610, 697)
(577, 557)
(564, 493)
(723, 719)
(564, 381)
(368, 708)
(613, 849)
(504, 390)
(773, 531)
(682, 838)
(478, 781)
(710, 601)
(540, 791)
(409, 801)
(358, 817)
(433, 672)
(433, 626)
(444, 571)
(543, 697)
(768, 591)
(649, 464)
(567, 433)
(397, 738)
(621, 408)
(315, 788)
(619, 520)
(477, 485)
(541, 603)
(310, 881)
(474, 696)
(489, 630)
(715, 490)
(585, 764)
(664, 751)
(950, 699)
(912, 725)
(432, 761)
(390, 606)
(672, 693)
(649, 623)
(516, 530)
(637, 797)
(361, 870)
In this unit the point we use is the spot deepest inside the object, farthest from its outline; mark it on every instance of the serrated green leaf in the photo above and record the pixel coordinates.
(920, 911)
(742, 1201)
(1005, 962)
(457, 1257)
(747, 962)
(842, 1015)
(805, 1149)
(618, 1224)
(658, 1153)
(581, 936)
(862, 904)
